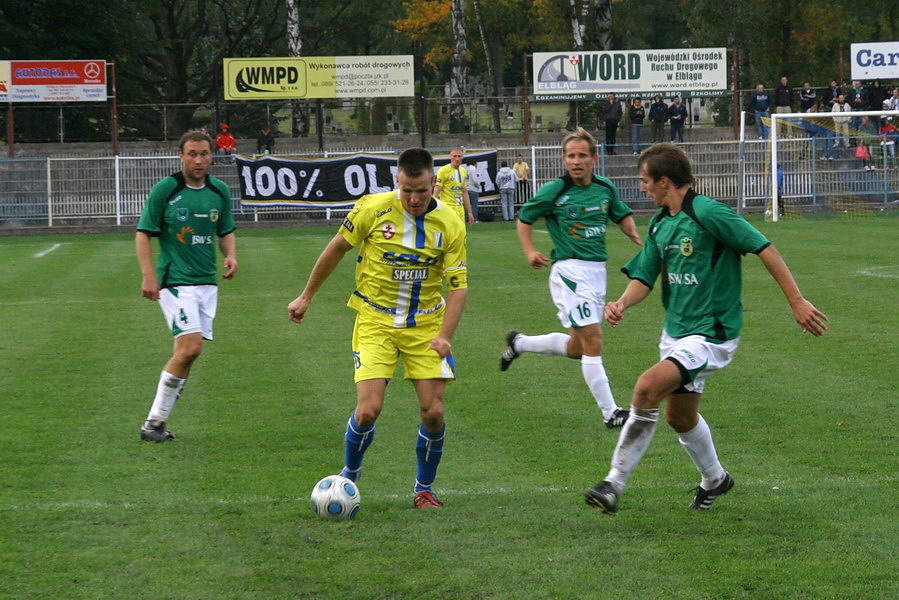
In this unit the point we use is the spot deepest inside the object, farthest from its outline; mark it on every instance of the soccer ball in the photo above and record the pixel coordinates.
(335, 498)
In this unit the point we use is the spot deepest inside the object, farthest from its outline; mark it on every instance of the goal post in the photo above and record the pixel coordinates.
(861, 126)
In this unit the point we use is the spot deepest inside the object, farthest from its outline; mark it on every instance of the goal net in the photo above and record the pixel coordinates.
(823, 162)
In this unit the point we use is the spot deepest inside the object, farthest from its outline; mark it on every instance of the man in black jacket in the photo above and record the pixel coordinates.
(611, 113)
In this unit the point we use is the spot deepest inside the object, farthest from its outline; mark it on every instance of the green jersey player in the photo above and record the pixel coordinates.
(577, 209)
(694, 247)
(188, 212)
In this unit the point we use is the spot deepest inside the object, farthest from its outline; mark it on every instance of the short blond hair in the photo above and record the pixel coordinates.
(580, 134)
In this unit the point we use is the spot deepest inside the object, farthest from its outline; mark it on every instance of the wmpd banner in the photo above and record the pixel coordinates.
(332, 182)
(593, 75)
(319, 77)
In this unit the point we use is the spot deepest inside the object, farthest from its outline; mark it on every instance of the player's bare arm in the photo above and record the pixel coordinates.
(635, 292)
(629, 228)
(526, 236)
(809, 318)
(324, 266)
(228, 246)
(455, 303)
(149, 286)
(466, 200)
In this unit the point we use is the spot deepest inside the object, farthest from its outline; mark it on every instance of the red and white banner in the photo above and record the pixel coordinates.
(54, 80)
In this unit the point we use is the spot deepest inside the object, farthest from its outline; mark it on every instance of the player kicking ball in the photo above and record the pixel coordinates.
(695, 245)
(577, 209)
(409, 244)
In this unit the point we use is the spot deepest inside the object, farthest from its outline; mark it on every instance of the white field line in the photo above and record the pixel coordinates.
(880, 272)
(44, 253)
(772, 484)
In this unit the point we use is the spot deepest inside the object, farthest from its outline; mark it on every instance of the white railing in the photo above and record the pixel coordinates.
(113, 189)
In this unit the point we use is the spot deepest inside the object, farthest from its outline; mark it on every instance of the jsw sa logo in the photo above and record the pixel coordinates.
(409, 259)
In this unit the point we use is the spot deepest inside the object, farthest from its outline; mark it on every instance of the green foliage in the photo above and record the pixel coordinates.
(224, 512)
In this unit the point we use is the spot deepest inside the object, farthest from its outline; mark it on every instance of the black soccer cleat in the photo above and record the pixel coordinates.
(603, 497)
(618, 418)
(704, 498)
(509, 354)
(155, 433)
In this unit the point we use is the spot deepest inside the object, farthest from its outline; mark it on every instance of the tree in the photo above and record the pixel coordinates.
(295, 47)
(459, 78)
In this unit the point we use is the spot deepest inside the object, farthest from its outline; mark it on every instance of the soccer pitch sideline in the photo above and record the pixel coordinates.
(89, 511)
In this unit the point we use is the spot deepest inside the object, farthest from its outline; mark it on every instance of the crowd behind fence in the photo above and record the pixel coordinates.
(112, 190)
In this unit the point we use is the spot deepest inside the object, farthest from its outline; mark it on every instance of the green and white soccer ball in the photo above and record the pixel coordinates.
(335, 498)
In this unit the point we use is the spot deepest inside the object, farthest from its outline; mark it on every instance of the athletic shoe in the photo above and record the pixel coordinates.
(618, 418)
(603, 497)
(509, 354)
(704, 498)
(426, 499)
(155, 433)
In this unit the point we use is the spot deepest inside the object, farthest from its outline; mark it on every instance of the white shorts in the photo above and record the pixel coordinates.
(578, 289)
(697, 357)
(189, 308)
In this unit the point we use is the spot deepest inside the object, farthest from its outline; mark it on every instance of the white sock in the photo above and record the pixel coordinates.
(555, 344)
(701, 449)
(595, 375)
(167, 392)
(632, 444)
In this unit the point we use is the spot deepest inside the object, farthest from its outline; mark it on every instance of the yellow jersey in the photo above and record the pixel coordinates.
(452, 184)
(404, 260)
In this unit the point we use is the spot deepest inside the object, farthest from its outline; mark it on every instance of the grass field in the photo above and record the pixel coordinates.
(89, 511)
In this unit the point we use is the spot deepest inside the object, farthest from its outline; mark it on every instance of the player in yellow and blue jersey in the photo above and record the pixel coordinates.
(451, 187)
(410, 245)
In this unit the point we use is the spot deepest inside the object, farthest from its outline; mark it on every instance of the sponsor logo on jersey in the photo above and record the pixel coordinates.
(562, 201)
(383, 212)
(409, 260)
(388, 230)
(186, 236)
(347, 224)
(182, 214)
(682, 279)
(181, 235)
(410, 274)
(579, 230)
(686, 246)
(175, 199)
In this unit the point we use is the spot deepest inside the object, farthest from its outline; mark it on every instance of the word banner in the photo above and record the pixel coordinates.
(593, 75)
(319, 77)
(331, 182)
(53, 81)
(875, 60)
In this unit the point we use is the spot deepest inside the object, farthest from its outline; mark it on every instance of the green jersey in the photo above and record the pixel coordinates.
(576, 216)
(697, 252)
(187, 221)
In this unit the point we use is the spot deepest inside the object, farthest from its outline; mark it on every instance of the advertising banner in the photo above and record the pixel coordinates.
(875, 60)
(57, 81)
(334, 182)
(4, 81)
(325, 77)
(594, 75)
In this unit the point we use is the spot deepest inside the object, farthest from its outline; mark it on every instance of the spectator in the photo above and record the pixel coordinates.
(876, 95)
(224, 141)
(841, 124)
(761, 107)
(858, 100)
(658, 116)
(830, 95)
(783, 100)
(611, 114)
(474, 188)
(889, 134)
(522, 171)
(506, 181)
(807, 97)
(862, 153)
(636, 112)
(893, 101)
(677, 114)
(266, 142)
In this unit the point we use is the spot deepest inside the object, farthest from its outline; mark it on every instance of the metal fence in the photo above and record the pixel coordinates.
(112, 190)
